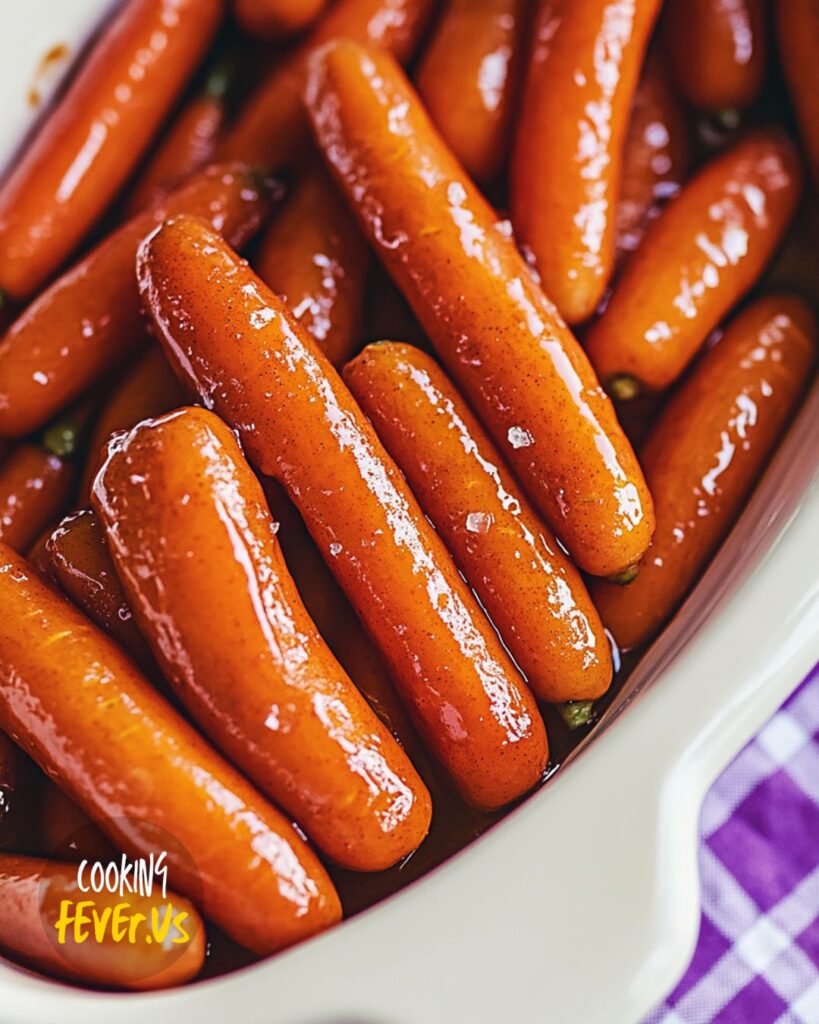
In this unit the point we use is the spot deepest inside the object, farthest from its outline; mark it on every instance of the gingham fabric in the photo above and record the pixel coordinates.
(757, 958)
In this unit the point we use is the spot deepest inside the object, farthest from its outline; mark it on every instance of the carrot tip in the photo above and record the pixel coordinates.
(625, 577)
(576, 713)
(624, 387)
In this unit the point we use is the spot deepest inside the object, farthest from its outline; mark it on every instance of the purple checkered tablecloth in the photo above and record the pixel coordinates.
(757, 957)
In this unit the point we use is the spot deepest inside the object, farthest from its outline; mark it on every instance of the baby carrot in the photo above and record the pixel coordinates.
(246, 644)
(502, 341)
(97, 132)
(697, 260)
(797, 24)
(90, 319)
(273, 19)
(239, 346)
(149, 389)
(705, 452)
(35, 487)
(567, 160)
(81, 710)
(532, 592)
(81, 564)
(33, 895)
(716, 50)
(271, 129)
(655, 158)
(190, 141)
(467, 78)
(314, 257)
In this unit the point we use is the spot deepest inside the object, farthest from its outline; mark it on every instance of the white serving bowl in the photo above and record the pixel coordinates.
(582, 906)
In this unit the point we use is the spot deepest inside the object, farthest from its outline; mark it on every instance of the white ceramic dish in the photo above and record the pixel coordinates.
(582, 907)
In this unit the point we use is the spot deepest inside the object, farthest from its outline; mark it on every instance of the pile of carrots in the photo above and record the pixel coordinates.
(296, 553)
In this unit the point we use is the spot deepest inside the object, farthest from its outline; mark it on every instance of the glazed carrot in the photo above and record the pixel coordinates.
(467, 80)
(81, 710)
(797, 24)
(35, 487)
(532, 592)
(568, 155)
(314, 257)
(340, 627)
(716, 50)
(33, 894)
(656, 156)
(502, 341)
(273, 19)
(149, 389)
(705, 452)
(246, 645)
(81, 564)
(66, 831)
(240, 347)
(90, 320)
(93, 139)
(190, 141)
(697, 260)
(271, 129)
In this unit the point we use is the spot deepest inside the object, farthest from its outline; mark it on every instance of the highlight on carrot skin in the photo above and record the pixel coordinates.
(379, 380)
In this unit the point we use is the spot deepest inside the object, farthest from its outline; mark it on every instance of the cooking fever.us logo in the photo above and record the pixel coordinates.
(135, 916)
(118, 918)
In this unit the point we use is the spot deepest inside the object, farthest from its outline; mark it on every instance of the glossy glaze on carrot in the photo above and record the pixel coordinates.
(698, 259)
(245, 658)
(568, 154)
(717, 50)
(149, 389)
(314, 257)
(248, 358)
(81, 710)
(656, 156)
(502, 341)
(35, 487)
(797, 27)
(468, 76)
(32, 891)
(275, 19)
(534, 595)
(707, 450)
(271, 129)
(340, 627)
(80, 562)
(92, 140)
(90, 320)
